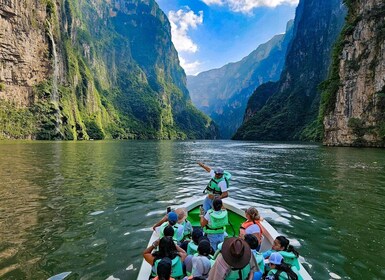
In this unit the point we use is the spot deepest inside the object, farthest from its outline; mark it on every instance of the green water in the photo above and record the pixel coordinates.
(87, 207)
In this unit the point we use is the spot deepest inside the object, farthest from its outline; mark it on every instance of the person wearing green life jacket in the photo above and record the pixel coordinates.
(253, 242)
(282, 245)
(172, 219)
(214, 223)
(279, 270)
(217, 186)
(234, 262)
(166, 248)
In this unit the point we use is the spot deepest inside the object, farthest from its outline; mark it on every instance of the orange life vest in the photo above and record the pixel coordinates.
(246, 224)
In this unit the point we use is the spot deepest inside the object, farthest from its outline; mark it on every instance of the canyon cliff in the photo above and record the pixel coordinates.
(354, 95)
(92, 70)
(288, 109)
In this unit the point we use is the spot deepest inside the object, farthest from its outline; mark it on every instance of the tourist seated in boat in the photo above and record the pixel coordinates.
(282, 245)
(214, 223)
(166, 248)
(200, 264)
(164, 270)
(234, 262)
(279, 270)
(252, 224)
(217, 186)
(171, 219)
(187, 227)
(192, 247)
(252, 240)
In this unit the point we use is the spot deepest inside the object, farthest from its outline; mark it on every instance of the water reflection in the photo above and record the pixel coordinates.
(87, 207)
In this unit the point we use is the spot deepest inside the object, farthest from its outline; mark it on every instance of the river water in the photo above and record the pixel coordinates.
(87, 207)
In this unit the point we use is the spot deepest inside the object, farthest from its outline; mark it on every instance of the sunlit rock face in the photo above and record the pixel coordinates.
(93, 70)
(24, 60)
(357, 114)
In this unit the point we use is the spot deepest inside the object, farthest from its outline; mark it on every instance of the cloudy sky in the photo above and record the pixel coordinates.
(211, 33)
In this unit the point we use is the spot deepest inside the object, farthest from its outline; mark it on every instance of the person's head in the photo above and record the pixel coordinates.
(196, 235)
(236, 252)
(169, 231)
(217, 204)
(204, 247)
(252, 214)
(167, 247)
(182, 214)
(252, 240)
(164, 269)
(275, 260)
(219, 172)
(280, 243)
(172, 218)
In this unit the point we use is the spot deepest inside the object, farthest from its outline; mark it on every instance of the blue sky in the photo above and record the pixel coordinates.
(211, 33)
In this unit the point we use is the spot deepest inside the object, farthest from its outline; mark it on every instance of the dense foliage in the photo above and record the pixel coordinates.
(120, 77)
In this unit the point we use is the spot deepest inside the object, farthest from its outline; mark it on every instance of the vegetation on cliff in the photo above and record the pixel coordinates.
(115, 74)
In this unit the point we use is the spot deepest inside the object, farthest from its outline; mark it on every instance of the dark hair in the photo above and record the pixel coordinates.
(285, 244)
(167, 249)
(196, 235)
(252, 240)
(217, 204)
(168, 231)
(163, 269)
(204, 247)
(286, 268)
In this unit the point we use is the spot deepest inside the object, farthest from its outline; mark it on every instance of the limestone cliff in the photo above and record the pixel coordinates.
(24, 54)
(354, 98)
(92, 69)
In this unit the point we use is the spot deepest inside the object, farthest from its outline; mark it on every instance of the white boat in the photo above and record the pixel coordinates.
(236, 217)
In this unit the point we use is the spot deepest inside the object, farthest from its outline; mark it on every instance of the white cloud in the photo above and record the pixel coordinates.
(181, 21)
(246, 6)
(191, 68)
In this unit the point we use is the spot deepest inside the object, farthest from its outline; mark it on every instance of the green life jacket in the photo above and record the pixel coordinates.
(239, 274)
(212, 186)
(260, 260)
(290, 258)
(176, 267)
(278, 274)
(175, 236)
(192, 248)
(218, 222)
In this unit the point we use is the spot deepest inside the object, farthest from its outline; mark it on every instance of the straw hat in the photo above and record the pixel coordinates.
(236, 252)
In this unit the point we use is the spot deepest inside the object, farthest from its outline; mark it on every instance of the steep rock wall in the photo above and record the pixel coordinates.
(291, 110)
(355, 114)
(24, 60)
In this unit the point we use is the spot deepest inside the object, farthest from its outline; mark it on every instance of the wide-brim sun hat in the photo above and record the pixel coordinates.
(236, 252)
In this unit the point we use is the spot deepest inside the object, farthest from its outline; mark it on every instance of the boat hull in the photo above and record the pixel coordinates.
(236, 217)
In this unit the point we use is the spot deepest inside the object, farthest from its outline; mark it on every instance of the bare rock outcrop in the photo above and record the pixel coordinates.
(358, 118)
(24, 56)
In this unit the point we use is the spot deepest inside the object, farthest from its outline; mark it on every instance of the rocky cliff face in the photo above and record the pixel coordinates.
(223, 93)
(24, 60)
(288, 109)
(355, 96)
(92, 69)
